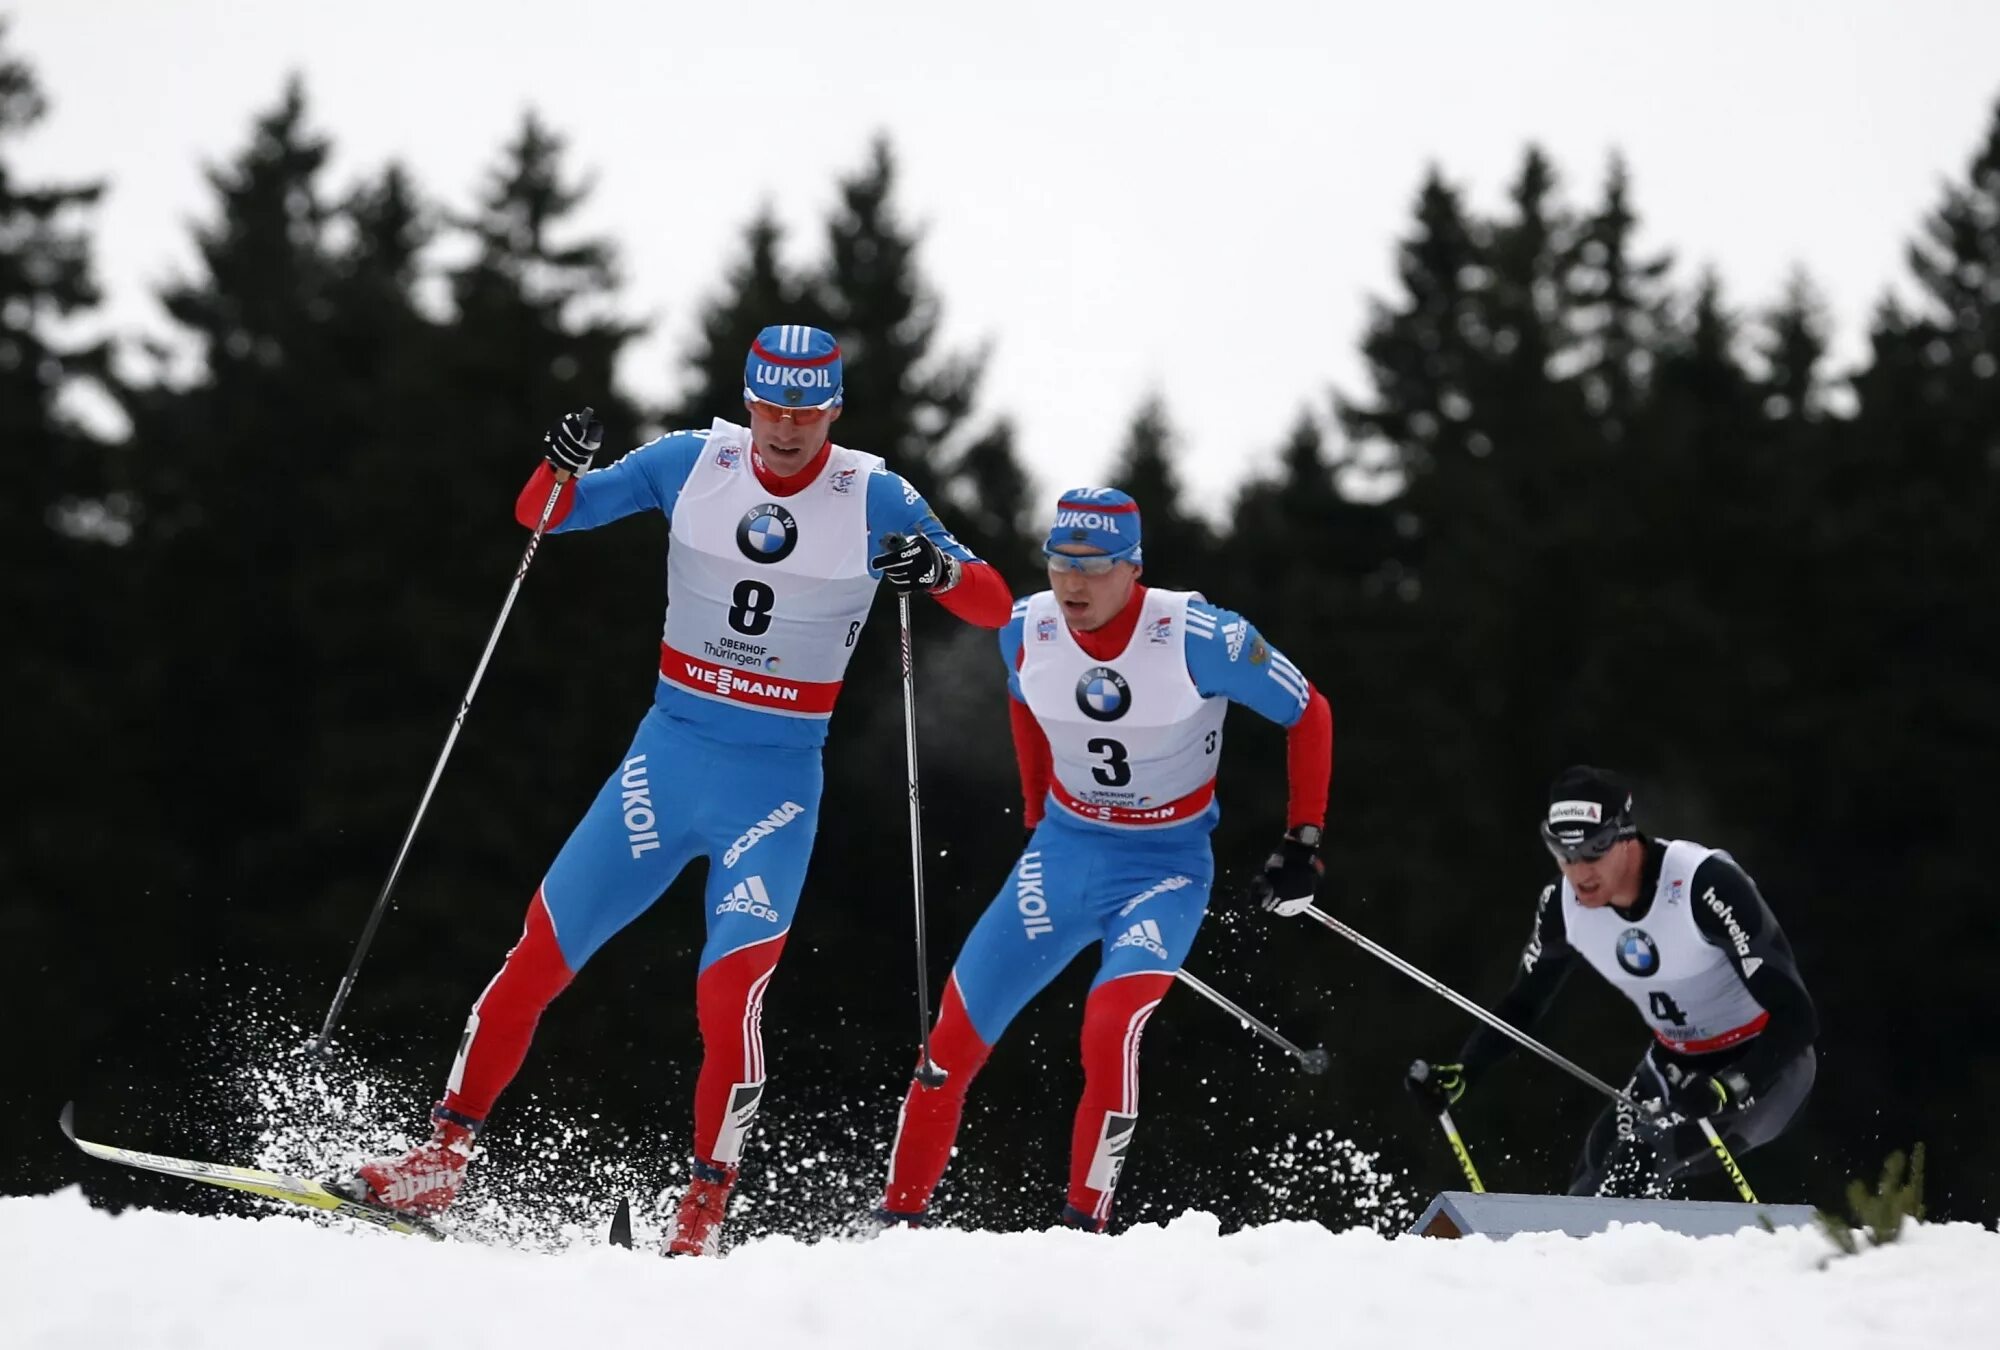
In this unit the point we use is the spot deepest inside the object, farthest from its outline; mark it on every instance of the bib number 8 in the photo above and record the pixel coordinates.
(751, 615)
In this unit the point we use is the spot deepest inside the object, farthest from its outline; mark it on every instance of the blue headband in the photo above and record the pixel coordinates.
(793, 366)
(1101, 518)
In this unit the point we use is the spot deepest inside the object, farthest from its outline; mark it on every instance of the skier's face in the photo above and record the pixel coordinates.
(1610, 880)
(1090, 600)
(788, 438)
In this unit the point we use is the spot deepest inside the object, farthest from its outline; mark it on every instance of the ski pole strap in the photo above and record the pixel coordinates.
(1728, 1161)
(1458, 1150)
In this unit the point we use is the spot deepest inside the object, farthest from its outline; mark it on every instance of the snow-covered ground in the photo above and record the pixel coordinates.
(76, 1278)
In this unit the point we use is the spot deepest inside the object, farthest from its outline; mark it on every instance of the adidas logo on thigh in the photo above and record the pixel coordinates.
(1144, 935)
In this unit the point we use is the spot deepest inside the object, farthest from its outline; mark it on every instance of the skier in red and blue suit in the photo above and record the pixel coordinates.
(1118, 697)
(779, 538)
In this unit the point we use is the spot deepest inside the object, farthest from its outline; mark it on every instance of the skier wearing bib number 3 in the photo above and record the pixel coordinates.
(1681, 931)
(778, 537)
(1118, 701)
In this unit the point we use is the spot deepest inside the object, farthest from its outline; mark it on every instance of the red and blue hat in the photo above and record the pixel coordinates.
(1100, 517)
(793, 366)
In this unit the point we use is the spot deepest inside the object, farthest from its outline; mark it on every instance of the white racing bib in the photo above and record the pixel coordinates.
(1683, 985)
(766, 594)
(1133, 742)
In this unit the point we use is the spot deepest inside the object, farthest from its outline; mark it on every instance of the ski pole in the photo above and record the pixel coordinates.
(928, 1071)
(1647, 1112)
(1458, 1150)
(319, 1043)
(1312, 1061)
(1451, 995)
(1728, 1161)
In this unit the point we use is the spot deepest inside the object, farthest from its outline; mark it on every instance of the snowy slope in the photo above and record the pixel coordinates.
(73, 1277)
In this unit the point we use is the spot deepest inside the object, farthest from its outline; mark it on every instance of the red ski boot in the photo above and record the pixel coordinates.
(697, 1229)
(424, 1180)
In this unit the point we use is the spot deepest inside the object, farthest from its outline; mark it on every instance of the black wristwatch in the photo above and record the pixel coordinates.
(1309, 835)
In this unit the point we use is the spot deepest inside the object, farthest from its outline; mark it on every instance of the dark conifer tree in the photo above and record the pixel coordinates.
(1423, 350)
(1179, 541)
(535, 333)
(915, 405)
(59, 520)
(1793, 349)
(1621, 306)
(906, 401)
(987, 501)
(758, 290)
(227, 470)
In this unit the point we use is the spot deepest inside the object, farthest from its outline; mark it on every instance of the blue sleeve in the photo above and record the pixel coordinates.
(894, 507)
(1228, 658)
(1012, 634)
(647, 479)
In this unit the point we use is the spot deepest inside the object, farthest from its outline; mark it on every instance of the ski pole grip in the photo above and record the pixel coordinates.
(564, 475)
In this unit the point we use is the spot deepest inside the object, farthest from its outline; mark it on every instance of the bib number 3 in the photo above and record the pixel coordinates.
(1116, 771)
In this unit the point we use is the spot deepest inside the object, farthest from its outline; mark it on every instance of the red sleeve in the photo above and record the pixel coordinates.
(981, 596)
(528, 506)
(1031, 749)
(1309, 762)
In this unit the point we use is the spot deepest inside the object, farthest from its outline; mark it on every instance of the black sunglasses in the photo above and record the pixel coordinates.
(1590, 846)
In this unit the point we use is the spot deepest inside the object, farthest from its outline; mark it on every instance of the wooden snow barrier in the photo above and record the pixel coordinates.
(1466, 1213)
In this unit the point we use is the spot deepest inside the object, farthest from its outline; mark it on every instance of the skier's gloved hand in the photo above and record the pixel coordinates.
(913, 561)
(1291, 874)
(1695, 1094)
(572, 443)
(1436, 1086)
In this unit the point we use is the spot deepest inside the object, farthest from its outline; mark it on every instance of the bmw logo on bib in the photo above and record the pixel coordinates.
(1637, 952)
(768, 534)
(1102, 694)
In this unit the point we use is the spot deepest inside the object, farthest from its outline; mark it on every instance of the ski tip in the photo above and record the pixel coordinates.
(621, 1224)
(68, 1121)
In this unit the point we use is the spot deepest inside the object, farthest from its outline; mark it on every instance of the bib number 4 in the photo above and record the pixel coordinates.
(1665, 1009)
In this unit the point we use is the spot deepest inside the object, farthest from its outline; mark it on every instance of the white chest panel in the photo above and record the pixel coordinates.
(1682, 984)
(766, 594)
(1133, 742)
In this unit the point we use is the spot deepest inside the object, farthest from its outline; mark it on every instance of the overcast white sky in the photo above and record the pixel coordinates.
(1194, 198)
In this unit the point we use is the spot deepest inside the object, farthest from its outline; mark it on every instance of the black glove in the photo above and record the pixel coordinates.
(572, 443)
(1291, 875)
(1695, 1094)
(908, 563)
(1436, 1086)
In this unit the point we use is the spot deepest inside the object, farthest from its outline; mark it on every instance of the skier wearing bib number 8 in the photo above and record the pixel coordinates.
(779, 538)
(1118, 697)
(1682, 931)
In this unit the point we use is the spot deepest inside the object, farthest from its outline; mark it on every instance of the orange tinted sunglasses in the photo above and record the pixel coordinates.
(777, 412)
